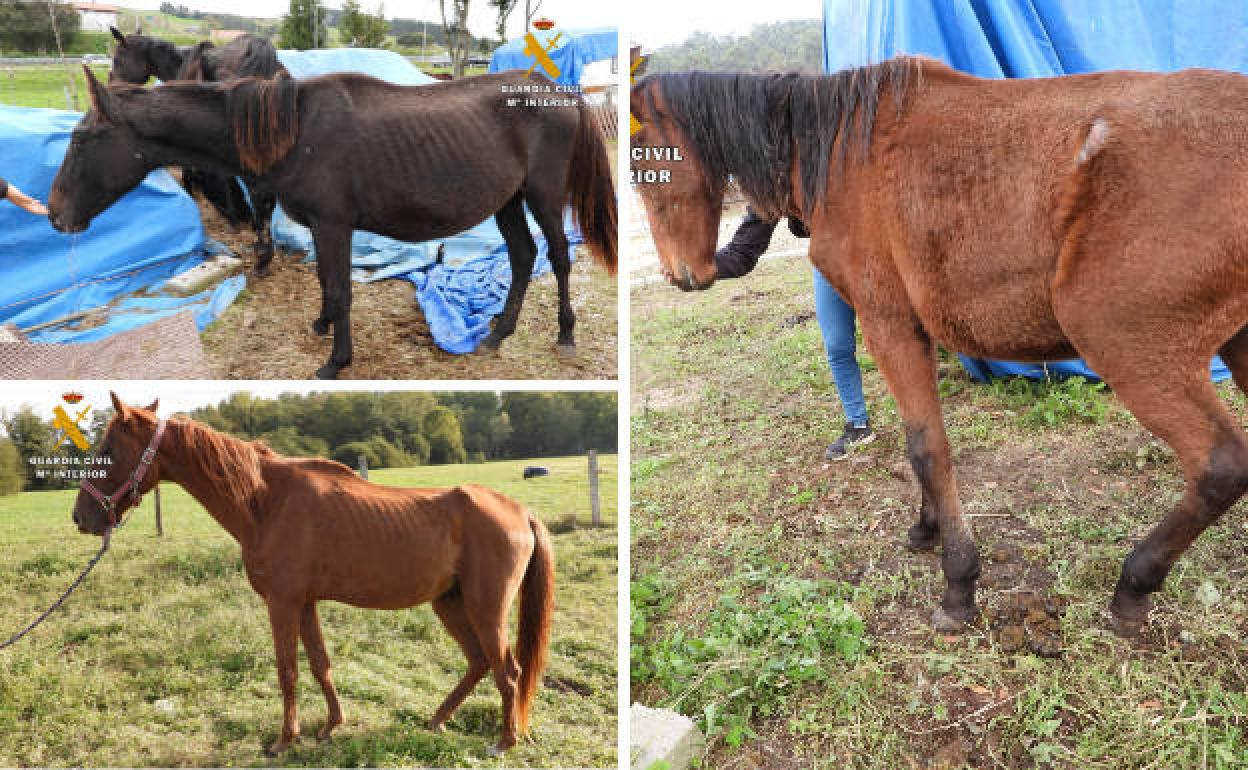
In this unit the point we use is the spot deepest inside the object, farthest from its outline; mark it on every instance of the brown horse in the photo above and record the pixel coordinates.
(1094, 216)
(311, 530)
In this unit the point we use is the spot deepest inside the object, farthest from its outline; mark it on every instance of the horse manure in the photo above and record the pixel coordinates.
(1027, 621)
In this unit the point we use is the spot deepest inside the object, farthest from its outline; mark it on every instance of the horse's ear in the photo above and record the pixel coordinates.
(121, 39)
(119, 408)
(101, 99)
(153, 406)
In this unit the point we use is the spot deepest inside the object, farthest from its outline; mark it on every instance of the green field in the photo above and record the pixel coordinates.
(774, 602)
(40, 86)
(164, 656)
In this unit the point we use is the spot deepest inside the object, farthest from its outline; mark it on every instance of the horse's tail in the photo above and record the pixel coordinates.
(537, 604)
(263, 117)
(591, 193)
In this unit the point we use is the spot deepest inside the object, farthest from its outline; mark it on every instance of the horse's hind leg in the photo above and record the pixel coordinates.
(450, 609)
(907, 359)
(547, 207)
(521, 251)
(1183, 410)
(487, 601)
(318, 661)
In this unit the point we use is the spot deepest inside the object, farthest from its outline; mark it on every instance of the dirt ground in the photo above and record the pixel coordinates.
(267, 332)
(732, 407)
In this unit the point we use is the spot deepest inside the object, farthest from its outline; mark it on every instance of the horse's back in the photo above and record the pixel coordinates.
(980, 176)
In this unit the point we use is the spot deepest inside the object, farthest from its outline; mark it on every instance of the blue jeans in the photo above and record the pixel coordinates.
(836, 322)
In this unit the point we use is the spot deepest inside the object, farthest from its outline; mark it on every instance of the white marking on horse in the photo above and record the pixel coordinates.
(1098, 134)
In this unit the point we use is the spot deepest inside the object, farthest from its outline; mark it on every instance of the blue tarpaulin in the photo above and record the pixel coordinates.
(151, 234)
(461, 294)
(574, 49)
(1039, 38)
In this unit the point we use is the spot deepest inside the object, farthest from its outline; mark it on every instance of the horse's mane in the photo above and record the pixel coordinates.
(195, 65)
(259, 58)
(750, 126)
(234, 466)
(263, 117)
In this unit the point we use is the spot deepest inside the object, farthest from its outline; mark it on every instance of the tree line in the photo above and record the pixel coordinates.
(28, 26)
(389, 430)
(783, 46)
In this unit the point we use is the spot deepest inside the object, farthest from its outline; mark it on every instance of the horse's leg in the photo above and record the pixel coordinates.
(547, 208)
(284, 619)
(906, 358)
(318, 661)
(487, 601)
(1184, 410)
(925, 533)
(333, 267)
(263, 201)
(450, 609)
(521, 251)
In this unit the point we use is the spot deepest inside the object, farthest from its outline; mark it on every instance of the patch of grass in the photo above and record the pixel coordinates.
(164, 655)
(768, 635)
(48, 86)
(732, 410)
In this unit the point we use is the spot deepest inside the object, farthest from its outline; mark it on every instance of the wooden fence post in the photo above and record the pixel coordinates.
(595, 507)
(160, 525)
(363, 461)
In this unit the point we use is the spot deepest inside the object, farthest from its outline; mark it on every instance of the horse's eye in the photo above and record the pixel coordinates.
(106, 452)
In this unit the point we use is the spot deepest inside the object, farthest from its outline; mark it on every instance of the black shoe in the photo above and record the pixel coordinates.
(854, 436)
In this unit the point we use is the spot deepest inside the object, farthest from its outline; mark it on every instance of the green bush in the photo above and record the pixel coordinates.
(12, 478)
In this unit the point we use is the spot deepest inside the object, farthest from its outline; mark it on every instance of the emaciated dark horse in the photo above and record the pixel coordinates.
(138, 58)
(1095, 216)
(347, 151)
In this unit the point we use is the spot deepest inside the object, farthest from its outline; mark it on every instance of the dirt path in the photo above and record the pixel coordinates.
(266, 333)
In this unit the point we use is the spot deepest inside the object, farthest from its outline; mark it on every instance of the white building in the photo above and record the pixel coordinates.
(96, 17)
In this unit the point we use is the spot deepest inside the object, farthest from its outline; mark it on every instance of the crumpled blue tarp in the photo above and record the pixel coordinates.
(576, 48)
(1039, 38)
(151, 234)
(459, 296)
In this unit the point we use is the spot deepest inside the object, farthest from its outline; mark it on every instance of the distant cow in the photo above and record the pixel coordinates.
(532, 471)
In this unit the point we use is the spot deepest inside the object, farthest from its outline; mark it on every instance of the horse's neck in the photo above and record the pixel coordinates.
(176, 465)
(189, 124)
(167, 61)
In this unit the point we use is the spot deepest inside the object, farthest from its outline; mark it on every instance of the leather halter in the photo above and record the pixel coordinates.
(109, 502)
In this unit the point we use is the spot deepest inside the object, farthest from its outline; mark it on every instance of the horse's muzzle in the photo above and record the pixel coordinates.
(687, 281)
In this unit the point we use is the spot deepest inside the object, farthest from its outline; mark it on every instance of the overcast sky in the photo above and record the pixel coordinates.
(565, 13)
(655, 23)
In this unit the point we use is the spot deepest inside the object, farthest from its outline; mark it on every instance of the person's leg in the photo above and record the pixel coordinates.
(836, 322)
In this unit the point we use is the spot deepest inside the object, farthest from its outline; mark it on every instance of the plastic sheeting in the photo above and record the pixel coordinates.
(150, 235)
(575, 49)
(458, 295)
(1039, 38)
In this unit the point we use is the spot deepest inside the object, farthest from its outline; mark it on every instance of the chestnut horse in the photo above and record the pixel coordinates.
(312, 530)
(138, 58)
(1094, 216)
(347, 151)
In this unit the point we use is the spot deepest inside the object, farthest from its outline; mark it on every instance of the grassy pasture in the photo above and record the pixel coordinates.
(748, 550)
(44, 86)
(164, 657)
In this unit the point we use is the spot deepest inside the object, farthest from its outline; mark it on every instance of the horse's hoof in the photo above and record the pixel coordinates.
(950, 623)
(261, 271)
(1126, 627)
(487, 348)
(280, 746)
(326, 730)
(919, 541)
(320, 327)
(567, 348)
(327, 372)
